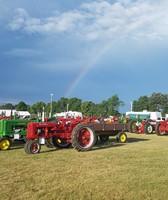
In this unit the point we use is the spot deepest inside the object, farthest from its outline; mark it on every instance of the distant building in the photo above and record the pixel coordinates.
(8, 113)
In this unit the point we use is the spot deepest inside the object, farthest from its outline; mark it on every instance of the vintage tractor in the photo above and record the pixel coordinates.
(162, 128)
(142, 126)
(82, 134)
(136, 125)
(12, 130)
(144, 121)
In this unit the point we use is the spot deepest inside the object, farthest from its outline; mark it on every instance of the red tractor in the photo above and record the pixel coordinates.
(82, 134)
(162, 128)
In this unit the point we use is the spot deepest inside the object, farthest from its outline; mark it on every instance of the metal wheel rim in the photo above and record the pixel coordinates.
(4, 144)
(149, 129)
(123, 138)
(162, 130)
(85, 137)
(34, 147)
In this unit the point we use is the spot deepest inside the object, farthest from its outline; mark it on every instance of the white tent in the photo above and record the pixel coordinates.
(8, 113)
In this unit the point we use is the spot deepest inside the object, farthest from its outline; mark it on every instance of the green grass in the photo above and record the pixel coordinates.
(135, 170)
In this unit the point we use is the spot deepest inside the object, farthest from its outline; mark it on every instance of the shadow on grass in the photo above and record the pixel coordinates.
(17, 145)
(49, 150)
(113, 143)
(131, 140)
(106, 145)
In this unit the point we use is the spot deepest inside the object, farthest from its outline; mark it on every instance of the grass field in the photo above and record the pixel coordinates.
(135, 170)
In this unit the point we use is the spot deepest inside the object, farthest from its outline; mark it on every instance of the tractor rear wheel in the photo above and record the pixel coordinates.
(5, 143)
(83, 137)
(60, 143)
(132, 127)
(161, 129)
(121, 137)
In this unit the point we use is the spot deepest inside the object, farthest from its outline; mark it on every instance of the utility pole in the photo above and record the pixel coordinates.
(51, 105)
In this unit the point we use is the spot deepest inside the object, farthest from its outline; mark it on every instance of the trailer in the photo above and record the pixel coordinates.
(12, 130)
(82, 134)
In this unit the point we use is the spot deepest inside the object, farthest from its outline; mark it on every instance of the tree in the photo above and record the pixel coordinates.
(141, 104)
(22, 106)
(87, 108)
(62, 105)
(7, 106)
(165, 104)
(103, 108)
(38, 107)
(157, 102)
(114, 104)
(74, 104)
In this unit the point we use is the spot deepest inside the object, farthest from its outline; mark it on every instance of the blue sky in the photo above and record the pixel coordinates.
(87, 49)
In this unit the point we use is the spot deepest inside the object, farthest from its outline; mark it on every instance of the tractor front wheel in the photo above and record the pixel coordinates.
(83, 137)
(5, 143)
(148, 129)
(32, 147)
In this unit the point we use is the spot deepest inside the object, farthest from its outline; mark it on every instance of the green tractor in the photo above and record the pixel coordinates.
(12, 130)
(136, 121)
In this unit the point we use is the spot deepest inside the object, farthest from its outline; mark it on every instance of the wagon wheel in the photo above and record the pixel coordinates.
(160, 129)
(121, 137)
(48, 143)
(5, 143)
(103, 138)
(132, 127)
(148, 129)
(32, 147)
(60, 142)
(83, 137)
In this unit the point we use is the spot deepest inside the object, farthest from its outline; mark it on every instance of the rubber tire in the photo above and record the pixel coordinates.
(103, 138)
(121, 137)
(132, 128)
(26, 147)
(8, 140)
(31, 144)
(91, 140)
(157, 130)
(58, 144)
(48, 143)
(96, 140)
(147, 127)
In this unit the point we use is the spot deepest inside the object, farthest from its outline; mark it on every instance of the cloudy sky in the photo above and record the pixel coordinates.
(89, 49)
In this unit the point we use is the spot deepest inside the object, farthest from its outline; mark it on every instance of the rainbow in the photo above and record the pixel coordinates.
(86, 69)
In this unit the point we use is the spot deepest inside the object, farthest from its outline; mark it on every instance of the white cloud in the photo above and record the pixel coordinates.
(102, 19)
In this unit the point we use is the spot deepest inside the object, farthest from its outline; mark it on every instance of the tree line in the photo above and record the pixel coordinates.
(111, 106)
